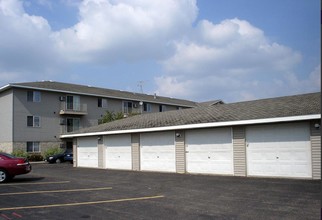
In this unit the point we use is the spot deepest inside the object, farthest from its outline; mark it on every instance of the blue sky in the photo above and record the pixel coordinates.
(198, 50)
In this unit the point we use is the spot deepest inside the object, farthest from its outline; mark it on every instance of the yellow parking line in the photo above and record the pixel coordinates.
(54, 191)
(82, 203)
(38, 183)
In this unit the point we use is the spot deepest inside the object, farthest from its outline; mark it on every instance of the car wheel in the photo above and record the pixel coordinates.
(58, 160)
(3, 176)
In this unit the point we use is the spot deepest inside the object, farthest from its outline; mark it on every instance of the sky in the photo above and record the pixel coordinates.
(198, 50)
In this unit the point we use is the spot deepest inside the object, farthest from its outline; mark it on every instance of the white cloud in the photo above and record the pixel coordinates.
(130, 30)
(233, 58)
(107, 31)
(26, 46)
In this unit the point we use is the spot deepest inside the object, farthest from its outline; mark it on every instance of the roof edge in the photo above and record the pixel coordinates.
(90, 94)
(5, 87)
(201, 125)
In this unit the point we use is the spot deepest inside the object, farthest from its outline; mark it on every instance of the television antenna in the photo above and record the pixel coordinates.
(140, 85)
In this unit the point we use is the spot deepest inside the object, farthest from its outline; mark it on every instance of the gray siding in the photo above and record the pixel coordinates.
(47, 109)
(135, 140)
(180, 151)
(315, 137)
(239, 148)
(6, 117)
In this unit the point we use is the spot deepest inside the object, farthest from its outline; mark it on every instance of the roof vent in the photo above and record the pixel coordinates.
(155, 96)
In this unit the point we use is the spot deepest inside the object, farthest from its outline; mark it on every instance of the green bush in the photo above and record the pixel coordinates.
(35, 157)
(52, 151)
(20, 153)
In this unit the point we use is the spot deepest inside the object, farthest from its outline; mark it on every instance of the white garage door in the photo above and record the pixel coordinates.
(209, 151)
(281, 150)
(158, 152)
(118, 151)
(87, 153)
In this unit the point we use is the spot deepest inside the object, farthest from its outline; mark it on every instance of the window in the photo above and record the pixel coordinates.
(179, 108)
(127, 107)
(33, 96)
(162, 108)
(73, 124)
(102, 103)
(147, 107)
(33, 147)
(33, 121)
(73, 103)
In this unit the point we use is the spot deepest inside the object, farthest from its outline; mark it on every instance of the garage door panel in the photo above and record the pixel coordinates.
(281, 150)
(87, 152)
(118, 152)
(209, 151)
(158, 152)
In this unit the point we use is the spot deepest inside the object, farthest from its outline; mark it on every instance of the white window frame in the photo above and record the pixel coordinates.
(74, 128)
(74, 105)
(103, 103)
(35, 145)
(36, 121)
(125, 107)
(162, 108)
(147, 106)
(36, 96)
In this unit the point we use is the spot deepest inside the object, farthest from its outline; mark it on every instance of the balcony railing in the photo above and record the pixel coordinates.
(73, 109)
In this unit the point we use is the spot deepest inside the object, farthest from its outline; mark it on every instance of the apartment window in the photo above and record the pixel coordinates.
(127, 107)
(73, 103)
(33, 121)
(73, 124)
(147, 107)
(33, 147)
(179, 108)
(33, 96)
(102, 103)
(162, 108)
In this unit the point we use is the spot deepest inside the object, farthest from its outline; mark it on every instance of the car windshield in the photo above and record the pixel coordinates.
(8, 155)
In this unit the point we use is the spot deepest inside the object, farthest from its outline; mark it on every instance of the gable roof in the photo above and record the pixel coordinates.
(210, 103)
(288, 108)
(99, 92)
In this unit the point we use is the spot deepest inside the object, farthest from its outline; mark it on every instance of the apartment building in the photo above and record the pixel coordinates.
(34, 115)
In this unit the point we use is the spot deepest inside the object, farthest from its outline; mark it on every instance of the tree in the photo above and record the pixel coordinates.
(112, 116)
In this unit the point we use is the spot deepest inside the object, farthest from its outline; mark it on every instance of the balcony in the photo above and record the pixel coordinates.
(73, 109)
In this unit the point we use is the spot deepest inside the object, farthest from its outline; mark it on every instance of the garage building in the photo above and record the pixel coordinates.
(276, 137)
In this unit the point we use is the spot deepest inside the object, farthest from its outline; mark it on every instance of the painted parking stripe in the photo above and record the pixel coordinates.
(82, 203)
(38, 183)
(55, 191)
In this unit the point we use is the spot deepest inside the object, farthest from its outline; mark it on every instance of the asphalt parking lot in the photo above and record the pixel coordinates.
(59, 191)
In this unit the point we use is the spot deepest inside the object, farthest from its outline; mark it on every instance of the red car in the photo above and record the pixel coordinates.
(10, 166)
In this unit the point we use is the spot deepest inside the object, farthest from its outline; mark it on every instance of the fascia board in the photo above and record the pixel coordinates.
(201, 125)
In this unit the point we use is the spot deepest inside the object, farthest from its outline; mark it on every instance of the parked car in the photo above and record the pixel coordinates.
(58, 158)
(10, 166)
(69, 157)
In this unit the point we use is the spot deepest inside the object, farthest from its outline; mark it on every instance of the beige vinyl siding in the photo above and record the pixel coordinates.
(239, 146)
(101, 152)
(75, 152)
(180, 152)
(315, 138)
(135, 140)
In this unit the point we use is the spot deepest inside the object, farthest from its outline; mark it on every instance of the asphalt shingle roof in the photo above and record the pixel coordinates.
(298, 105)
(102, 92)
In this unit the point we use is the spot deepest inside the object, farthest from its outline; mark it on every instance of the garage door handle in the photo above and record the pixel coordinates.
(277, 157)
